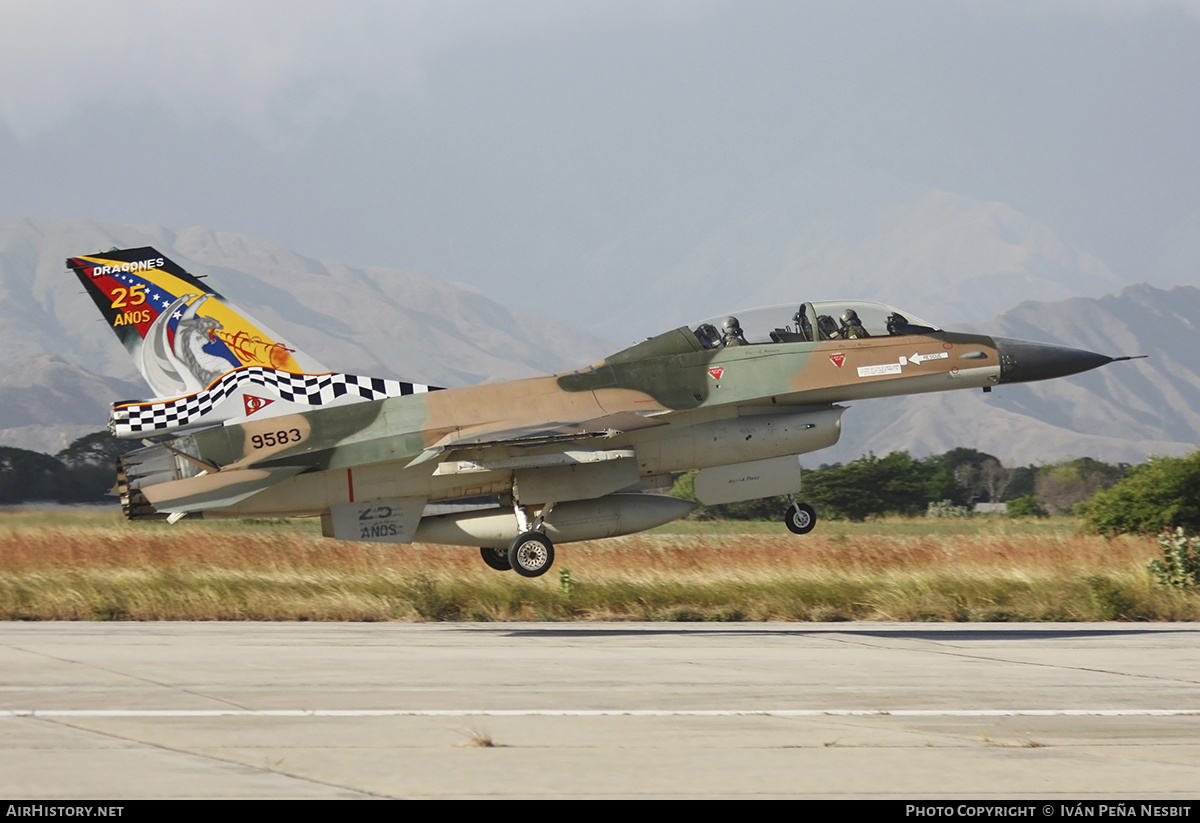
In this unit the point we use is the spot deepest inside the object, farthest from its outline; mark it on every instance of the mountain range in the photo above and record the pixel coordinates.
(1121, 412)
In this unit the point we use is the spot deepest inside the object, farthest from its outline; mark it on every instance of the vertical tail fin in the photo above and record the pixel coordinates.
(181, 334)
(206, 361)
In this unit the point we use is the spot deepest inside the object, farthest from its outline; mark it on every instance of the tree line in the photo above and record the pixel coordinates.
(1161, 494)
(83, 472)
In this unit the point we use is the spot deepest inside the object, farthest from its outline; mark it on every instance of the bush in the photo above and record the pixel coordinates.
(946, 508)
(1027, 506)
(1157, 496)
(1180, 566)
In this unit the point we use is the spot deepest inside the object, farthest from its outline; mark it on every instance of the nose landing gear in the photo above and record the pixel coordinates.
(800, 517)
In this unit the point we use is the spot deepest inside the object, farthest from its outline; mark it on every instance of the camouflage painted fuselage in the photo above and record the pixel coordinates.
(674, 404)
(246, 424)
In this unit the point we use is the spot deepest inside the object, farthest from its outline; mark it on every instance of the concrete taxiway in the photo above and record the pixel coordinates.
(122, 710)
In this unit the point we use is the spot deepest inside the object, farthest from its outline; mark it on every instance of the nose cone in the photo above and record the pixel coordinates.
(1022, 361)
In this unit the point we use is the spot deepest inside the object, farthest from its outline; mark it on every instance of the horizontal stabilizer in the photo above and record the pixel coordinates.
(214, 491)
(169, 477)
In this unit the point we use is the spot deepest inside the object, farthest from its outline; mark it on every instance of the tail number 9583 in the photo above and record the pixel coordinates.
(279, 438)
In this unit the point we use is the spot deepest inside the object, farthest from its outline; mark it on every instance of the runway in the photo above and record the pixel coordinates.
(869, 710)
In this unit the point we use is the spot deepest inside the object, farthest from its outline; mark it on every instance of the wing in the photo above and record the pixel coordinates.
(605, 427)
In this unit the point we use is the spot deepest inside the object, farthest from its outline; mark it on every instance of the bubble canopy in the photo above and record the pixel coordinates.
(808, 323)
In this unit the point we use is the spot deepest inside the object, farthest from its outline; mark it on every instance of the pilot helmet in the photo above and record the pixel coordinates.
(730, 325)
(850, 317)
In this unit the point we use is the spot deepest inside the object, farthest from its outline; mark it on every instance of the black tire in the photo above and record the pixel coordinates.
(531, 554)
(800, 518)
(496, 559)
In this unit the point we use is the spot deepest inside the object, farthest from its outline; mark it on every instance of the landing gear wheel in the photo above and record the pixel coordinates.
(800, 518)
(531, 554)
(496, 559)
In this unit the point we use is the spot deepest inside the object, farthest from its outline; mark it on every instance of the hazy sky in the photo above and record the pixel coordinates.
(524, 147)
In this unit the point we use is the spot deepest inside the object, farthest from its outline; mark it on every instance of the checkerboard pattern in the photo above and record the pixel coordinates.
(302, 389)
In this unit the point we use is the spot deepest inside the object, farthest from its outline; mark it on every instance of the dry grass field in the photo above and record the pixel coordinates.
(89, 564)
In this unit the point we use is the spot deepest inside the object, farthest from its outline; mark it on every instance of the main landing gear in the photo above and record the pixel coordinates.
(531, 554)
(496, 559)
(800, 517)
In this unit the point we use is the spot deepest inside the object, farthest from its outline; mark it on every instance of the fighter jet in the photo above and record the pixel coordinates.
(243, 424)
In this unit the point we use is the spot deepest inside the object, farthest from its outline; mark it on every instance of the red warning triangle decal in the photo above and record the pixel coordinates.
(716, 373)
(254, 404)
(838, 359)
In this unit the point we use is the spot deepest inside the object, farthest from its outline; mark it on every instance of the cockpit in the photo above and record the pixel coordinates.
(808, 323)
